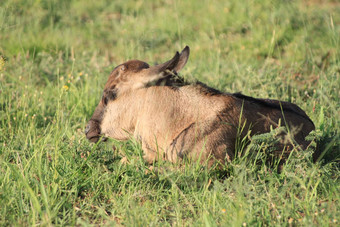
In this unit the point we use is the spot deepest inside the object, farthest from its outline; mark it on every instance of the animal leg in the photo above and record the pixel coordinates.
(150, 155)
(207, 145)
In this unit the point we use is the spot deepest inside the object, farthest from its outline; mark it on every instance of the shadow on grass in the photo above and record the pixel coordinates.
(329, 147)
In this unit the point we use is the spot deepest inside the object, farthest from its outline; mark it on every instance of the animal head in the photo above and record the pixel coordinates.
(128, 77)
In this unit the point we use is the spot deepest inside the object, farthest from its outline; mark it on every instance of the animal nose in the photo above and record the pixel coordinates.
(87, 129)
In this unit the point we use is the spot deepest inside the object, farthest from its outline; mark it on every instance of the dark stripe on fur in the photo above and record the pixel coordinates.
(272, 103)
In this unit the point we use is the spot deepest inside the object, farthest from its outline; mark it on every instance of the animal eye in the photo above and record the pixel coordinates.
(123, 68)
(109, 95)
(105, 99)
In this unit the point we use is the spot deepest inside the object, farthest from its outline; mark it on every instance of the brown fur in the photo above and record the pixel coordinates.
(191, 121)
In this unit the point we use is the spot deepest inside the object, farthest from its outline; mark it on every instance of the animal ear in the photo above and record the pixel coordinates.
(183, 58)
(169, 65)
(175, 64)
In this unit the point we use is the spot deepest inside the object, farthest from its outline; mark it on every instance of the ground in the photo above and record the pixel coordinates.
(55, 57)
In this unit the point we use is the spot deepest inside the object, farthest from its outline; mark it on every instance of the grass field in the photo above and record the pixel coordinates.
(55, 57)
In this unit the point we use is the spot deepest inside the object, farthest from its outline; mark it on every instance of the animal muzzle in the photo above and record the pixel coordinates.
(93, 132)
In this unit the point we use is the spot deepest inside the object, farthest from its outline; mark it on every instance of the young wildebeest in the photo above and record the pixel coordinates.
(174, 120)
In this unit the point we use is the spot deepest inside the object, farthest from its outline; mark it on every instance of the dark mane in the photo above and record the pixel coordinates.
(206, 90)
(272, 103)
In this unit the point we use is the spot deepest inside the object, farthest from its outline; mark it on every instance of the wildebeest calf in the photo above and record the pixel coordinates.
(174, 119)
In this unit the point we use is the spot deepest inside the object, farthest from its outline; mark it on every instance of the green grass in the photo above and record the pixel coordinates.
(56, 57)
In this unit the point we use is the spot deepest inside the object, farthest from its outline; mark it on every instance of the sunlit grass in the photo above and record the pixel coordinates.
(55, 57)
